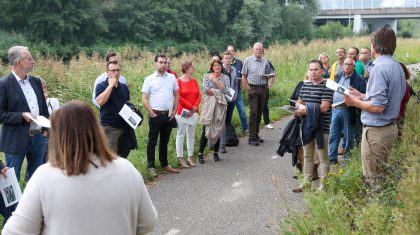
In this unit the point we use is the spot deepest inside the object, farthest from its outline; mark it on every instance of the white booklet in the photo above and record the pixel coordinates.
(9, 187)
(131, 117)
(41, 121)
(231, 94)
(190, 120)
(337, 87)
(338, 104)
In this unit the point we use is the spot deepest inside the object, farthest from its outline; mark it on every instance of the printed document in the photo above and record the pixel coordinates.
(131, 117)
(9, 187)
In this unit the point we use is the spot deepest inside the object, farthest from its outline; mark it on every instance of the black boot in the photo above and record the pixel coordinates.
(216, 157)
(200, 158)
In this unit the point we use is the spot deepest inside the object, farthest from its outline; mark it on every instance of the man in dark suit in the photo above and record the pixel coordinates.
(21, 96)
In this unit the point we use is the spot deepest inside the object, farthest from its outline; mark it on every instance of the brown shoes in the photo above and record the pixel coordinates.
(297, 190)
(169, 169)
(182, 163)
(191, 162)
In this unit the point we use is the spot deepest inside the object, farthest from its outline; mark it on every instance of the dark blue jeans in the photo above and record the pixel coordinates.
(34, 152)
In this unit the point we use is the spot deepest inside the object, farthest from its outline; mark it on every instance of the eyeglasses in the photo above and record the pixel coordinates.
(115, 70)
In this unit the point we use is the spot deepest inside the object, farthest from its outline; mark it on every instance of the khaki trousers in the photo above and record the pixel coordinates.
(309, 159)
(376, 145)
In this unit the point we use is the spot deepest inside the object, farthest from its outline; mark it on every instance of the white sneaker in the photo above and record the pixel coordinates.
(269, 126)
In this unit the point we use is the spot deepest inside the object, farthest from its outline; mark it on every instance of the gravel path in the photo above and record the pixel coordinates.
(248, 192)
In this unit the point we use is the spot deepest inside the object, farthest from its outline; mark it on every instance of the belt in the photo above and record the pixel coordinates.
(389, 124)
(34, 132)
(341, 107)
(161, 112)
(259, 86)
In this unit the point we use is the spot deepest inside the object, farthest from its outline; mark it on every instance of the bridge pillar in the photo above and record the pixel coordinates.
(373, 24)
(358, 24)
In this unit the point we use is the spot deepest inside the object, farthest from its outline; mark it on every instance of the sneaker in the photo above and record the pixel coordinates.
(245, 131)
(269, 126)
(222, 150)
(259, 139)
(152, 172)
(216, 157)
(169, 169)
(200, 158)
(321, 187)
(253, 142)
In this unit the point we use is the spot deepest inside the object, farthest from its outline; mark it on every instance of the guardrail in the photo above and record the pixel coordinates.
(367, 4)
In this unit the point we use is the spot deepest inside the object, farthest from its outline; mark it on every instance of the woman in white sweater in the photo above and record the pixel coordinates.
(84, 188)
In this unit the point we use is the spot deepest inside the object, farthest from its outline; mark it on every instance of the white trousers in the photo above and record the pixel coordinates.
(182, 129)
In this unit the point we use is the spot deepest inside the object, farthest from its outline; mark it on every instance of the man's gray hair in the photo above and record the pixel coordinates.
(16, 54)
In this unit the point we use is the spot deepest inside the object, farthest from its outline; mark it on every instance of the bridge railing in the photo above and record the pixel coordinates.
(367, 4)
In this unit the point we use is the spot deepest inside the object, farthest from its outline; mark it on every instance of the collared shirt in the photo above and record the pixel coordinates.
(345, 82)
(255, 68)
(109, 112)
(160, 89)
(29, 93)
(31, 99)
(386, 87)
(102, 78)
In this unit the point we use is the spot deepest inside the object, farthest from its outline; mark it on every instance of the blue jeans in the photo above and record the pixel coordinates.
(34, 152)
(340, 121)
(240, 106)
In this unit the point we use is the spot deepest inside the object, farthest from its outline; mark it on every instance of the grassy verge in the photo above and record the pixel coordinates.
(348, 207)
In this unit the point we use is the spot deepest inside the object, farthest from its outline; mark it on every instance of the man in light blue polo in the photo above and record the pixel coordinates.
(380, 104)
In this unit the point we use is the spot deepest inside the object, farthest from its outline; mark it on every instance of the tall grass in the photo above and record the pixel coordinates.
(74, 80)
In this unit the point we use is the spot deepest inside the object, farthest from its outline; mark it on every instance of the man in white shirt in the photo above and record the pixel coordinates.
(110, 58)
(160, 98)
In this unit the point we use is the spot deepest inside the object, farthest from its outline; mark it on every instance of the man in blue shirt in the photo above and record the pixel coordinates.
(380, 104)
(110, 58)
(112, 95)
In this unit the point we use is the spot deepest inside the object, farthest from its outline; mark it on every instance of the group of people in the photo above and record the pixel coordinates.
(81, 156)
(370, 112)
(86, 181)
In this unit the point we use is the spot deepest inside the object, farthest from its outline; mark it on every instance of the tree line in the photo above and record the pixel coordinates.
(192, 25)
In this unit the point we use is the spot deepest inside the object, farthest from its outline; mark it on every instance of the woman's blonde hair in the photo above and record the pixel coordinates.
(75, 137)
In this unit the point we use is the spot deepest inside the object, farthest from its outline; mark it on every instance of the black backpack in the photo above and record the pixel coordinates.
(231, 137)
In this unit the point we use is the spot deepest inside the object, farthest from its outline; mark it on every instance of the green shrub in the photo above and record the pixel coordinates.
(333, 30)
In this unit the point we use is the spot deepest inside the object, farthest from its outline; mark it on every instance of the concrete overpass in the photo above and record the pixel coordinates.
(368, 14)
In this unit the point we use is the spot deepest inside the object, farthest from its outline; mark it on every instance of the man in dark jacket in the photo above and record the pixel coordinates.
(344, 118)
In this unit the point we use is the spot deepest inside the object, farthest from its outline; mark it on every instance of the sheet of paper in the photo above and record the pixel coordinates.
(231, 94)
(131, 117)
(338, 104)
(9, 187)
(190, 120)
(337, 87)
(41, 121)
